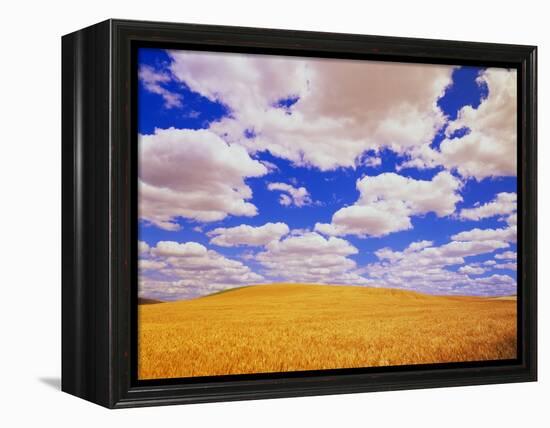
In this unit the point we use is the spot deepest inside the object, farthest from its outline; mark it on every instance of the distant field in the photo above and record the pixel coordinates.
(290, 327)
(142, 301)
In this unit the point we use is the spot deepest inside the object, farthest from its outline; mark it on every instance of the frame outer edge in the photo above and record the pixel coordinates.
(532, 208)
(107, 369)
(71, 371)
(86, 314)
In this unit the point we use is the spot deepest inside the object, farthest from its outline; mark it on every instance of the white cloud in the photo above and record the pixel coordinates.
(152, 80)
(510, 266)
(507, 255)
(271, 167)
(285, 200)
(417, 246)
(193, 174)
(305, 243)
(465, 248)
(372, 161)
(344, 107)
(508, 234)
(188, 269)
(490, 148)
(162, 290)
(489, 263)
(248, 235)
(438, 195)
(295, 232)
(298, 196)
(388, 201)
(175, 249)
(470, 270)
(311, 258)
(504, 281)
(423, 267)
(150, 264)
(378, 219)
(143, 248)
(504, 204)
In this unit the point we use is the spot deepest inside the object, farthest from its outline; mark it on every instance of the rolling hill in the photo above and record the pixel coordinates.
(293, 327)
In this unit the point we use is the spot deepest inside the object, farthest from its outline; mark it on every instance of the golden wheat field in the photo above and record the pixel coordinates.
(292, 327)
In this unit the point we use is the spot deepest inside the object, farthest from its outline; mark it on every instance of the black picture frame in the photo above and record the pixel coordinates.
(99, 217)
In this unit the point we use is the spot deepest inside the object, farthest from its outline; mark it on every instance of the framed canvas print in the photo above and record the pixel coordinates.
(253, 213)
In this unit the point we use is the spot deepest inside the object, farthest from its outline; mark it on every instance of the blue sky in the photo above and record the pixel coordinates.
(317, 204)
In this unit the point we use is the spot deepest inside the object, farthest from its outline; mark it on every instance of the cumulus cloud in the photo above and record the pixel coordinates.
(471, 270)
(248, 235)
(498, 280)
(291, 195)
(465, 248)
(505, 203)
(507, 255)
(343, 108)
(175, 249)
(510, 266)
(417, 246)
(388, 201)
(508, 234)
(285, 200)
(177, 270)
(309, 257)
(193, 174)
(427, 268)
(507, 260)
(372, 161)
(488, 145)
(143, 248)
(150, 264)
(152, 81)
(378, 219)
(437, 195)
(512, 220)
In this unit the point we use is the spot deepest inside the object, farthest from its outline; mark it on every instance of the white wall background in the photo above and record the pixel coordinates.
(31, 207)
